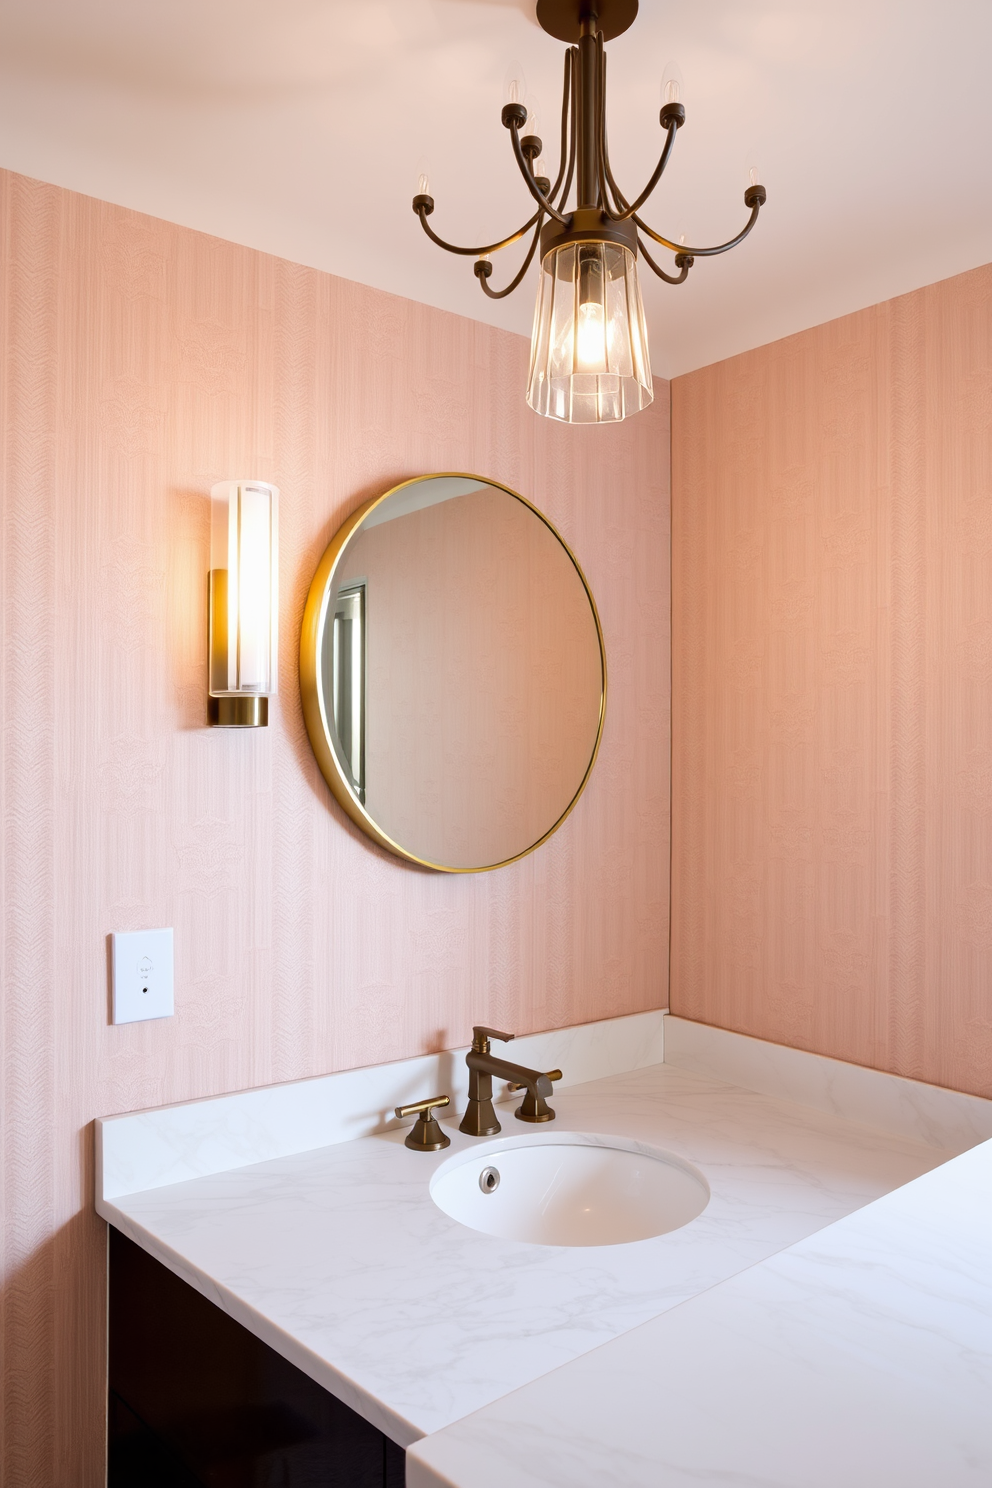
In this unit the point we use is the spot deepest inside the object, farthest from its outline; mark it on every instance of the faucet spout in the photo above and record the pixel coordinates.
(480, 1117)
(487, 1064)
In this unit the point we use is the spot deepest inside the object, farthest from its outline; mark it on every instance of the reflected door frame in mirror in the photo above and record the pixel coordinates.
(336, 772)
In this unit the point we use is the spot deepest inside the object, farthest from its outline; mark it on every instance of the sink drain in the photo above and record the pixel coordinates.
(489, 1180)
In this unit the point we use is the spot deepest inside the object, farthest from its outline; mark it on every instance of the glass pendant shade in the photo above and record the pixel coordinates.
(589, 353)
(244, 607)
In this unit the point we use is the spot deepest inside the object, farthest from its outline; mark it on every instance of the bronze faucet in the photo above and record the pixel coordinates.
(480, 1118)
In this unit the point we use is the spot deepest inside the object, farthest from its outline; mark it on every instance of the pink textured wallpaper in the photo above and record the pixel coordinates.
(141, 362)
(832, 683)
(484, 677)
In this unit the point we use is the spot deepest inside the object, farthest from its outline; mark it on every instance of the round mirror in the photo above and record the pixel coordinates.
(453, 673)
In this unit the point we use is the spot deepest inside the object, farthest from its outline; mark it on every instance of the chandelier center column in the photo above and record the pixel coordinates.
(587, 104)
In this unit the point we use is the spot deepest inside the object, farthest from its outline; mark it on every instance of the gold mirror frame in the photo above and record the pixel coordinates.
(320, 590)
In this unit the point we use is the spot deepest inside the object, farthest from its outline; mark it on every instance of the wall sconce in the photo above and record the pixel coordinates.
(243, 606)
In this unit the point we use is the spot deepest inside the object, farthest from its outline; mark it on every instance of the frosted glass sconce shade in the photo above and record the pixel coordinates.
(243, 640)
(589, 353)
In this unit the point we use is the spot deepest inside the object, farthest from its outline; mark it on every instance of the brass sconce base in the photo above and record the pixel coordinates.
(247, 711)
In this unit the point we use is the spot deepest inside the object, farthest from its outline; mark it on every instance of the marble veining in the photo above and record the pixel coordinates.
(338, 1258)
(861, 1356)
(949, 1119)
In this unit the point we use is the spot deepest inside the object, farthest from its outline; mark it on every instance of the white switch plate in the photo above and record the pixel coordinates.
(142, 975)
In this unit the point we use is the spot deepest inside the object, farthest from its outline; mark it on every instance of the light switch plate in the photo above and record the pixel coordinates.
(142, 975)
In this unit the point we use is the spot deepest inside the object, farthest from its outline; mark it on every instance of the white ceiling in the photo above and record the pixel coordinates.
(299, 127)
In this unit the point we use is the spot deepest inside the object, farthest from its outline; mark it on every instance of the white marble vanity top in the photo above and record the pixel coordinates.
(860, 1357)
(338, 1258)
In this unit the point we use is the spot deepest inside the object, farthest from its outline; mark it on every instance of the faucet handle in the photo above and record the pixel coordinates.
(551, 1075)
(481, 1037)
(425, 1135)
(534, 1106)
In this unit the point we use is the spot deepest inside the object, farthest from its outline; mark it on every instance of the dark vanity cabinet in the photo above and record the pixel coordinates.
(197, 1401)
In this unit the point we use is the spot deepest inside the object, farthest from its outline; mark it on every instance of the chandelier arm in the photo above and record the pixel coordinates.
(625, 210)
(606, 181)
(500, 294)
(565, 99)
(635, 206)
(705, 252)
(606, 170)
(487, 247)
(683, 260)
(573, 54)
(528, 176)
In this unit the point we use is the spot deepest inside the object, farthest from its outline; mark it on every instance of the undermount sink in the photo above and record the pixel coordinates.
(570, 1189)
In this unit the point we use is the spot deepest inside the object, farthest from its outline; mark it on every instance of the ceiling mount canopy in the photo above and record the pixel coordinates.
(563, 18)
(589, 359)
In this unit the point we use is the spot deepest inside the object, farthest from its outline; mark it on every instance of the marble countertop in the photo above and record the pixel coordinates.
(338, 1258)
(860, 1356)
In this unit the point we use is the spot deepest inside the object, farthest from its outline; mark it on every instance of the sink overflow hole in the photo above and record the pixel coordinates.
(489, 1180)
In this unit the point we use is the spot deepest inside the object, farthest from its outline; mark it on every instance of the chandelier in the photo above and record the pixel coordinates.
(589, 351)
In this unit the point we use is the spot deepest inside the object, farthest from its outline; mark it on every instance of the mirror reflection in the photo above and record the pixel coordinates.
(453, 673)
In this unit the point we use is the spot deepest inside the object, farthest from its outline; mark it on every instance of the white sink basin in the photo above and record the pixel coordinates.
(569, 1189)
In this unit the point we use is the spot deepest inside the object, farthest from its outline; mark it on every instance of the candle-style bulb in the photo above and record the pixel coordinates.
(514, 83)
(671, 84)
(753, 175)
(423, 184)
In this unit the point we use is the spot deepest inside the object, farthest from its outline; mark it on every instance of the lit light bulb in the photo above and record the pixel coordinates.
(589, 366)
(753, 175)
(590, 342)
(423, 184)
